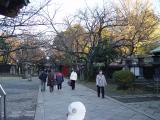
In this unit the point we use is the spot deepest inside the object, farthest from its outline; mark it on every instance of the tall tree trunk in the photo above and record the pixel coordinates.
(89, 73)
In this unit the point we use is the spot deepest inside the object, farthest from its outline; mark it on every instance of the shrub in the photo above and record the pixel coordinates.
(124, 78)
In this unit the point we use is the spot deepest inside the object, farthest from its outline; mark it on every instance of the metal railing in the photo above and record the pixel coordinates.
(2, 94)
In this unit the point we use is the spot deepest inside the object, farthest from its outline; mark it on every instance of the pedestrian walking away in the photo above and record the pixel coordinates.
(51, 79)
(43, 77)
(59, 80)
(100, 83)
(73, 78)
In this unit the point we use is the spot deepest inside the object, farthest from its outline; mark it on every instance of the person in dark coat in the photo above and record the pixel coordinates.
(43, 77)
(59, 79)
(51, 80)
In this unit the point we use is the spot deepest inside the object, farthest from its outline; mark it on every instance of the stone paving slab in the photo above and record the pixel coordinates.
(53, 106)
(21, 97)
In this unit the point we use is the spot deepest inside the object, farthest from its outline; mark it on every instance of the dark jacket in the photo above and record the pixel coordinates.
(43, 76)
(51, 79)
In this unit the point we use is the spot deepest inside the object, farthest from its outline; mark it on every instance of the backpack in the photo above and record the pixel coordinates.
(59, 77)
(40, 76)
(43, 76)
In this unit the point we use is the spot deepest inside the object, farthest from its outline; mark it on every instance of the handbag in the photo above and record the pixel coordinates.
(69, 82)
(54, 82)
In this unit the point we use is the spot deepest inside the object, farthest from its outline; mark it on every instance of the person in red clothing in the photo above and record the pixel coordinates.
(59, 80)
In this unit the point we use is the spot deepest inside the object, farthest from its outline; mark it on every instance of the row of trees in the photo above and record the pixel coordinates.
(114, 31)
(16, 38)
(107, 34)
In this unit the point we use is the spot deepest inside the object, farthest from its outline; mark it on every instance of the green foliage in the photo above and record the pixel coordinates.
(104, 52)
(145, 47)
(124, 78)
(5, 48)
(3, 44)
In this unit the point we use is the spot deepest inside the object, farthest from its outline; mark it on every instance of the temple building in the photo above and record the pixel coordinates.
(11, 8)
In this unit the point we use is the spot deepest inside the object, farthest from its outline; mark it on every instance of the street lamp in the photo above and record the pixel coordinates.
(48, 61)
(47, 57)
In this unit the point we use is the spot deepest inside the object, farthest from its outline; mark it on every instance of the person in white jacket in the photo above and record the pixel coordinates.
(76, 111)
(100, 83)
(73, 78)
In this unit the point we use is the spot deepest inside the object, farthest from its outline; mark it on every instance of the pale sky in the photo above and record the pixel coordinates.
(66, 8)
(70, 7)
(156, 5)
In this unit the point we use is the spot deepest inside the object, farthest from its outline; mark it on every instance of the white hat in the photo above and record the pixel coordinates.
(76, 111)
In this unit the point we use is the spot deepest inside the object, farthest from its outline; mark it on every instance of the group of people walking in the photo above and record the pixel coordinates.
(56, 78)
(76, 110)
(52, 78)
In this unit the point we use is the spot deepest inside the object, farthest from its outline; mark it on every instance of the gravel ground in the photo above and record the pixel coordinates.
(21, 97)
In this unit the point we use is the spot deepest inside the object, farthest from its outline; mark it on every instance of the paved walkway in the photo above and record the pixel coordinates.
(53, 106)
(21, 97)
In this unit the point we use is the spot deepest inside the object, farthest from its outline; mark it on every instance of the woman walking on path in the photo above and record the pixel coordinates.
(100, 83)
(51, 80)
(59, 79)
(73, 78)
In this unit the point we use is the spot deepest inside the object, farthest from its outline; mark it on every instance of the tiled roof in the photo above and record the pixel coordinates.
(156, 50)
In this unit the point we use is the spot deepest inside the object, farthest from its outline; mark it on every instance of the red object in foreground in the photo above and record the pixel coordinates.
(65, 70)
